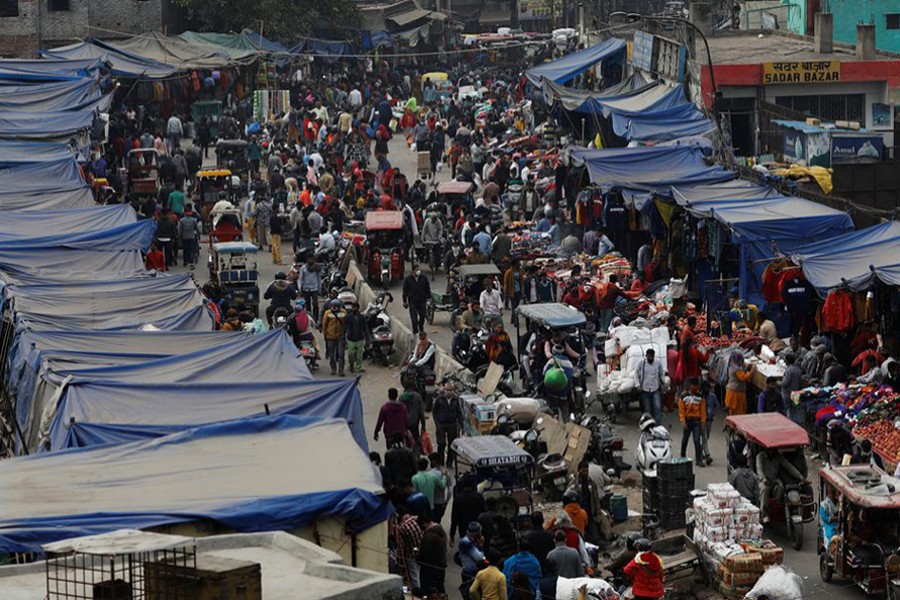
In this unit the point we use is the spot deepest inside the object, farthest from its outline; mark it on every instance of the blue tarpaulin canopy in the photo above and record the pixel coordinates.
(33, 176)
(193, 403)
(650, 168)
(57, 125)
(257, 476)
(587, 101)
(39, 265)
(763, 225)
(567, 68)
(46, 196)
(673, 123)
(75, 67)
(25, 224)
(329, 49)
(131, 236)
(853, 259)
(124, 63)
(14, 153)
(20, 75)
(736, 190)
(271, 357)
(55, 96)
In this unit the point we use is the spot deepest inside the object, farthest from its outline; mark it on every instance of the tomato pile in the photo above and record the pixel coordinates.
(884, 436)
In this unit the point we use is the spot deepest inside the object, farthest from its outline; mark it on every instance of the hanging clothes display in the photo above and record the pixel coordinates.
(616, 217)
(837, 314)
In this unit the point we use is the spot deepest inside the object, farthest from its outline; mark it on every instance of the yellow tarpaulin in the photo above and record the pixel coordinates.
(820, 174)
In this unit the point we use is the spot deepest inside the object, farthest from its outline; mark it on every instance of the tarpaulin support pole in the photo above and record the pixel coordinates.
(268, 412)
(354, 547)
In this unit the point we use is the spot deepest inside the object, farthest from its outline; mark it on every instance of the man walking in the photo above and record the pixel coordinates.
(175, 131)
(447, 415)
(263, 218)
(334, 331)
(416, 294)
(310, 280)
(392, 417)
(649, 375)
(189, 233)
(357, 333)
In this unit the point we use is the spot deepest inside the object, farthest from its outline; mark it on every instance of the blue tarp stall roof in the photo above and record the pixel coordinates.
(585, 101)
(31, 176)
(256, 476)
(328, 49)
(265, 44)
(47, 197)
(736, 189)
(124, 63)
(15, 225)
(49, 125)
(122, 238)
(852, 259)
(889, 274)
(565, 69)
(75, 67)
(40, 97)
(27, 75)
(197, 403)
(657, 97)
(22, 153)
(650, 168)
(680, 121)
(39, 265)
(271, 357)
(74, 349)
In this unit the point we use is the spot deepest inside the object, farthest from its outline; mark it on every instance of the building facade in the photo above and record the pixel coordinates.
(28, 25)
(884, 14)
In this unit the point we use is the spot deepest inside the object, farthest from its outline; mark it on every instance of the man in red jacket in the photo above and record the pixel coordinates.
(645, 572)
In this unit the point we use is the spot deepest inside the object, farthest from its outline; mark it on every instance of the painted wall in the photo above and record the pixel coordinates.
(847, 14)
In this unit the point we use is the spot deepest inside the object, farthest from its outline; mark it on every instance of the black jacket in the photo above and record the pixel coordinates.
(446, 409)
(466, 508)
(356, 326)
(281, 292)
(416, 290)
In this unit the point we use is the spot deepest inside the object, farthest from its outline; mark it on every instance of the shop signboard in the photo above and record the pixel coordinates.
(856, 148)
(822, 71)
(535, 10)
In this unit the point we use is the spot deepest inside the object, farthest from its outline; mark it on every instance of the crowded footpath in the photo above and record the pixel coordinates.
(573, 378)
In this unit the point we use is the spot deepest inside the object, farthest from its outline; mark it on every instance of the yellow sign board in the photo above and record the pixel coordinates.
(823, 71)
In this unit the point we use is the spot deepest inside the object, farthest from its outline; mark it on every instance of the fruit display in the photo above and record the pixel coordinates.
(885, 438)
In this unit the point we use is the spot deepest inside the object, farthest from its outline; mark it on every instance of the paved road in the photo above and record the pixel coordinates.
(376, 380)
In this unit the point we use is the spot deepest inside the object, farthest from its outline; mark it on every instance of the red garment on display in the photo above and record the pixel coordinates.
(837, 314)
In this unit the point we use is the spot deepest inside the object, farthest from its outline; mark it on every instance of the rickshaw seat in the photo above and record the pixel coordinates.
(868, 555)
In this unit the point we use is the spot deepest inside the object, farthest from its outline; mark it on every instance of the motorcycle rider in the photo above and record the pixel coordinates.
(771, 466)
(309, 280)
(281, 292)
(559, 360)
(327, 247)
(470, 321)
(424, 353)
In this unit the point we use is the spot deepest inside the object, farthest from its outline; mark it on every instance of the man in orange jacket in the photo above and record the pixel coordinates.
(692, 412)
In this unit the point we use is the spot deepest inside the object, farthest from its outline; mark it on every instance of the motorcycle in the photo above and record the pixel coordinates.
(381, 345)
(422, 380)
(468, 348)
(310, 354)
(606, 448)
(551, 476)
(655, 444)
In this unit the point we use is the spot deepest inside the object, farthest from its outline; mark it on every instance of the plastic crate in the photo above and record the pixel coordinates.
(675, 468)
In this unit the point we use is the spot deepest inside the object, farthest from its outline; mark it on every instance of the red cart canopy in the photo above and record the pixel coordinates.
(769, 430)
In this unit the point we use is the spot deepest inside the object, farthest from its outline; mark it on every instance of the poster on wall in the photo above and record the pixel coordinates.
(535, 10)
(794, 147)
(881, 115)
(818, 149)
(849, 149)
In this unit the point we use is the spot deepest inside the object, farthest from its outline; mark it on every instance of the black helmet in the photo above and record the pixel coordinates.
(570, 496)
(642, 544)
(630, 538)
(280, 275)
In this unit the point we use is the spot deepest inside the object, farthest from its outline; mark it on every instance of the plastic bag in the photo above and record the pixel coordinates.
(777, 583)
(412, 147)
(426, 443)
(568, 589)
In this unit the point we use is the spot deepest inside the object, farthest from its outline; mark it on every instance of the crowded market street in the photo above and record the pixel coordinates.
(438, 315)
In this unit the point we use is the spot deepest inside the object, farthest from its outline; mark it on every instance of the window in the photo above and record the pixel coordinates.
(57, 5)
(828, 107)
(893, 20)
(9, 8)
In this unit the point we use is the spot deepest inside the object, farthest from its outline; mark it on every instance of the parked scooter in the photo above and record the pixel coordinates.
(551, 476)
(381, 345)
(654, 445)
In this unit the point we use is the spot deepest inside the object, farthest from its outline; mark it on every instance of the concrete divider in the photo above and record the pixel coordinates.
(404, 339)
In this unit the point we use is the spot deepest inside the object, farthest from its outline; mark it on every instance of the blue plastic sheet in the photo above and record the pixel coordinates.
(123, 63)
(46, 196)
(567, 68)
(651, 168)
(52, 125)
(30, 176)
(680, 121)
(257, 476)
(853, 259)
(195, 403)
(24, 224)
(39, 97)
(30, 265)
(78, 67)
(14, 153)
(131, 236)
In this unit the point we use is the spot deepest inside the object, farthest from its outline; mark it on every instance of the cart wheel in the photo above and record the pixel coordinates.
(429, 313)
(826, 569)
(796, 534)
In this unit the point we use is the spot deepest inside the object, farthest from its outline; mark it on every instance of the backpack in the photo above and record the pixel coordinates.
(301, 321)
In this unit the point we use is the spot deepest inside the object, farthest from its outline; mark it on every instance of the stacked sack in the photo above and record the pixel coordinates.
(728, 533)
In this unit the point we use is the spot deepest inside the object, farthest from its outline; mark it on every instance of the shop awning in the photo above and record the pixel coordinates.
(411, 16)
(565, 69)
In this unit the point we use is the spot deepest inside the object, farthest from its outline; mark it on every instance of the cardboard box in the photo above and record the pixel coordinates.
(744, 563)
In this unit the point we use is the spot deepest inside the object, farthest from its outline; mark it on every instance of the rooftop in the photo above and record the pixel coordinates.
(747, 48)
(291, 568)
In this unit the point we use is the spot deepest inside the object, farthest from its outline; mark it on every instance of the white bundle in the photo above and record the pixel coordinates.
(777, 583)
(627, 385)
(568, 589)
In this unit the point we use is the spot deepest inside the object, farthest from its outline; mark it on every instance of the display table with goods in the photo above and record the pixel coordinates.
(728, 535)
(870, 411)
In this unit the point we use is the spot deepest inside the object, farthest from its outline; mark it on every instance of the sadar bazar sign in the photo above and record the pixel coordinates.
(824, 71)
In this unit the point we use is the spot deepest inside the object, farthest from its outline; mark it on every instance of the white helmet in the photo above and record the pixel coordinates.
(646, 422)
